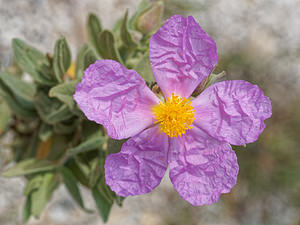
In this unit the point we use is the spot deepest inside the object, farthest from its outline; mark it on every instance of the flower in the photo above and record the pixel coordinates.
(192, 136)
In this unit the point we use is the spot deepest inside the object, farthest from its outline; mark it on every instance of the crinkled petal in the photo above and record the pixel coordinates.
(181, 56)
(232, 111)
(201, 167)
(140, 165)
(117, 98)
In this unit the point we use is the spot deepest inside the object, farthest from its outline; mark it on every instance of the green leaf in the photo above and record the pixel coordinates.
(5, 116)
(27, 209)
(96, 172)
(103, 202)
(94, 29)
(58, 147)
(119, 200)
(32, 147)
(45, 131)
(50, 110)
(93, 142)
(33, 184)
(125, 35)
(143, 68)
(22, 91)
(14, 105)
(28, 166)
(66, 127)
(31, 61)
(114, 146)
(107, 48)
(71, 185)
(64, 92)
(86, 57)
(41, 196)
(61, 58)
(211, 79)
(77, 172)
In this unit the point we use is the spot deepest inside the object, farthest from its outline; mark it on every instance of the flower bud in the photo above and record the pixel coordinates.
(150, 20)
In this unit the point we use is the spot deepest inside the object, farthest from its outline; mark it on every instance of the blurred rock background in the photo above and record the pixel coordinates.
(258, 41)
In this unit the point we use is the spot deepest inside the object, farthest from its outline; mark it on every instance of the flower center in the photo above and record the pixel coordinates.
(175, 116)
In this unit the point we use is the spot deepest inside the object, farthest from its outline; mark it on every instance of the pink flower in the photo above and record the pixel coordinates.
(192, 136)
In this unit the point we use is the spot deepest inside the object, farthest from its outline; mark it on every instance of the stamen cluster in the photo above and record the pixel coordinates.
(175, 116)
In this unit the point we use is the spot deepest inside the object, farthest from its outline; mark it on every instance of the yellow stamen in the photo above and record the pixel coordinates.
(175, 116)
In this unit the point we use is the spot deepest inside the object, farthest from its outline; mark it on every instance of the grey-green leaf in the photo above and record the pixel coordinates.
(107, 48)
(86, 57)
(41, 196)
(5, 115)
(23, 92)
(31, 61)
(125, 34)
(27, 209)
(61, 58)
(94, 28)
(45, 131)
(51, 110)
(28, 166)
(78, 172)
(72, 186)
(143, 68)
(103, 202)
(93, 142)
(33, 184)
(64, 92)
(14, 105)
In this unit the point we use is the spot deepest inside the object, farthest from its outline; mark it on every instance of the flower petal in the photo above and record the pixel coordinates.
(117, 98)
(201, 167)
(140, 165)
(232, 111)
(181, 56)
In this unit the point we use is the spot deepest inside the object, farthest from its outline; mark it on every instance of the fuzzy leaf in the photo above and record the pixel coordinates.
(45, 132)
(71, 185)
(41, 196)
(64, 92)
(107, 48)
(31, 61)
(114, 146)
(61, 58)
(27, 209)
(125, 34)
(94, 28)
(28, 166)
(78, 172)
(33, 184)
(93, 142)
(14, 105)
(97, 171)
(102, 200)
(65, 127)
(86, 57)
(59, 145)
(22, 91)
(51, 111)
(5, 115)
(143, 68)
